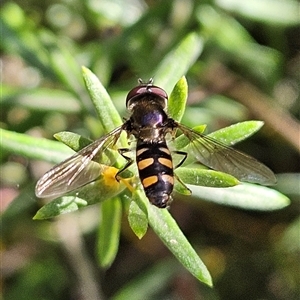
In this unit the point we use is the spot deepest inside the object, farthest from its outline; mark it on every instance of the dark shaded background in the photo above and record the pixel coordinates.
(249, 69)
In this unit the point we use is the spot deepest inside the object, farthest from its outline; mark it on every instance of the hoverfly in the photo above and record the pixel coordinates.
(149, 123)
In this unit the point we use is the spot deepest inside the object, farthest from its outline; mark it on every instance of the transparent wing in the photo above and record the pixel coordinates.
(220, 157)
(77, 170)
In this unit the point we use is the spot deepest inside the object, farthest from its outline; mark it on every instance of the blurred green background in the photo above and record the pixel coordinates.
(248, 68)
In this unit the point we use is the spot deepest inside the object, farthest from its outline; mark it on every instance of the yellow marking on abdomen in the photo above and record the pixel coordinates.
(145, 163)
(168, 178)
(141, 151)
(166, 162)
(150, 180)
(165, 150)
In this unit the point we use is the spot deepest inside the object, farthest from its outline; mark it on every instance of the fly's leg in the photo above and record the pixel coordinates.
(184, 154)
(128, 159)
(129, 162)
(186, 190)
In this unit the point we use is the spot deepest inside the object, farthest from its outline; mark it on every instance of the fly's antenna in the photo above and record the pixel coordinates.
(148, 83)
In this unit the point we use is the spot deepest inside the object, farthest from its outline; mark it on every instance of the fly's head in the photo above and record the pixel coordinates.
(146, 92)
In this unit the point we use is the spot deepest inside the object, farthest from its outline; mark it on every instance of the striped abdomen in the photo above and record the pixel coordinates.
(155, 167)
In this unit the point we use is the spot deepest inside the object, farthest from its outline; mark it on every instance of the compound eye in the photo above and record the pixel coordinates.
(145, 89)
(158, 92)
(138, 90)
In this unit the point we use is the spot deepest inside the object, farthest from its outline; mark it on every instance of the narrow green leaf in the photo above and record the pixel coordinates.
(137, 219)
(203, 177)
(109, 231)
(59, 206)
(178, 61)
(107, 113)
(237, 132)
(168, 231)
(177, 99)
(275, 12)
(32, 147)
(72, 140)
(246, 195)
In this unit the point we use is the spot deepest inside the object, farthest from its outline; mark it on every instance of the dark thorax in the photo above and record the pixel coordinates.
(148, 122)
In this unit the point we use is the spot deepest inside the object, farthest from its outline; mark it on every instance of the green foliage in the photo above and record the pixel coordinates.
(109, 231)
(160, 220)
(44, 45)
